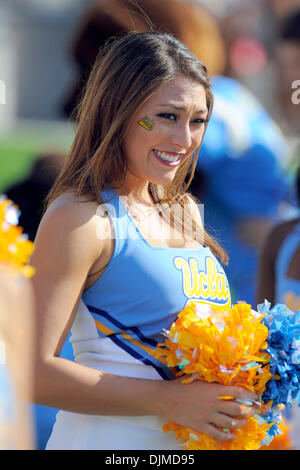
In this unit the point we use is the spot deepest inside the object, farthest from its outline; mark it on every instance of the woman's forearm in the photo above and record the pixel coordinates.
(70, 386)
(66, 385)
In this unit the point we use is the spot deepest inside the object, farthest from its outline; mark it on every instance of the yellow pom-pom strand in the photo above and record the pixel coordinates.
(249, 437)
(224, 347)
(15, 248)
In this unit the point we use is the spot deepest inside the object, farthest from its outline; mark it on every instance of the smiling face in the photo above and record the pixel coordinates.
(165, 131)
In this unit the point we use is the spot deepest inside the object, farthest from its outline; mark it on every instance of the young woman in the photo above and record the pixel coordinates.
(117, 280)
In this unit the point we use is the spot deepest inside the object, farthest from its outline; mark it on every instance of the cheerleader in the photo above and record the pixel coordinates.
(120, 251)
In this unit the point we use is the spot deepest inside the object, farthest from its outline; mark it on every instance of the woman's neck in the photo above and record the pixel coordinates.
(138, 194)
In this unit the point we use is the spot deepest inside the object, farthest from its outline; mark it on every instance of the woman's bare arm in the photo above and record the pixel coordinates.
(66, 247)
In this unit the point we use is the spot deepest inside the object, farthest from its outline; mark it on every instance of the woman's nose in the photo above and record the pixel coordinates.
(182, 137)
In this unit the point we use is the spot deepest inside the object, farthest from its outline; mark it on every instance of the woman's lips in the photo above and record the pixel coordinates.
(158, 156)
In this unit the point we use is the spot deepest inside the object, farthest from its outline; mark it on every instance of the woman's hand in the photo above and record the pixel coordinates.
(199, 406)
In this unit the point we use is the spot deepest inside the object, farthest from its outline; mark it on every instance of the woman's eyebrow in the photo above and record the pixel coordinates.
(180, 107)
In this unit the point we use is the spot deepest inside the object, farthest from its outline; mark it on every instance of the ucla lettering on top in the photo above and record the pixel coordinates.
(209, 285)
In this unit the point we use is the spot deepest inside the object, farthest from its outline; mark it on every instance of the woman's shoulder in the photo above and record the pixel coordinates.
(74, 220)
(71, 236)
(69, 204)
(69, 211)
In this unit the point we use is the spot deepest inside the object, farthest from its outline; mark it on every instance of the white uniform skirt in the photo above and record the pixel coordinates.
(75, 431)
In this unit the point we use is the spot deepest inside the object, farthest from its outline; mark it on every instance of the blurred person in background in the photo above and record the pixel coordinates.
(279, 281)
(16, 363)
(279, 272)
(240, 177)
(29, 195)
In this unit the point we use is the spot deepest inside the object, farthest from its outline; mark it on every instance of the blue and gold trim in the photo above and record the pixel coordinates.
(131, 340)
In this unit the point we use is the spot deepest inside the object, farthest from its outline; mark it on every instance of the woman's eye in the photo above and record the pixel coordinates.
(174, 117)
(170, 116)
(200, 121)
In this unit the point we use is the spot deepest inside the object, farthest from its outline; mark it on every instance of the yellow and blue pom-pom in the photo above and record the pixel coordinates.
(256, 350)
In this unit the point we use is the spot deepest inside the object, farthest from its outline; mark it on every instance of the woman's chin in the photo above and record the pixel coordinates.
(161, 181)
(162, 178)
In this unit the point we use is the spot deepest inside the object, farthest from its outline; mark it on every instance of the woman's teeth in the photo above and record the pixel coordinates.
(167, 157)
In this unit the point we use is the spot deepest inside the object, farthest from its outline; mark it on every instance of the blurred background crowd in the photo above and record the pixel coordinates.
(247, 171)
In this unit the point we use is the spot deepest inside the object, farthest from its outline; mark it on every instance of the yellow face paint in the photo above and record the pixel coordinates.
(146, 123)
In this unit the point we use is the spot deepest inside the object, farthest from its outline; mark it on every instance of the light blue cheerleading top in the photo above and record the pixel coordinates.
(288, 289)
(121, 317)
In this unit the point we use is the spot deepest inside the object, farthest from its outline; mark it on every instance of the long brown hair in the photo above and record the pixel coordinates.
(127, 71)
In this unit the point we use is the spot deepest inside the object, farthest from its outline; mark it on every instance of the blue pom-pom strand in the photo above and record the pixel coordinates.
(284, 350)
